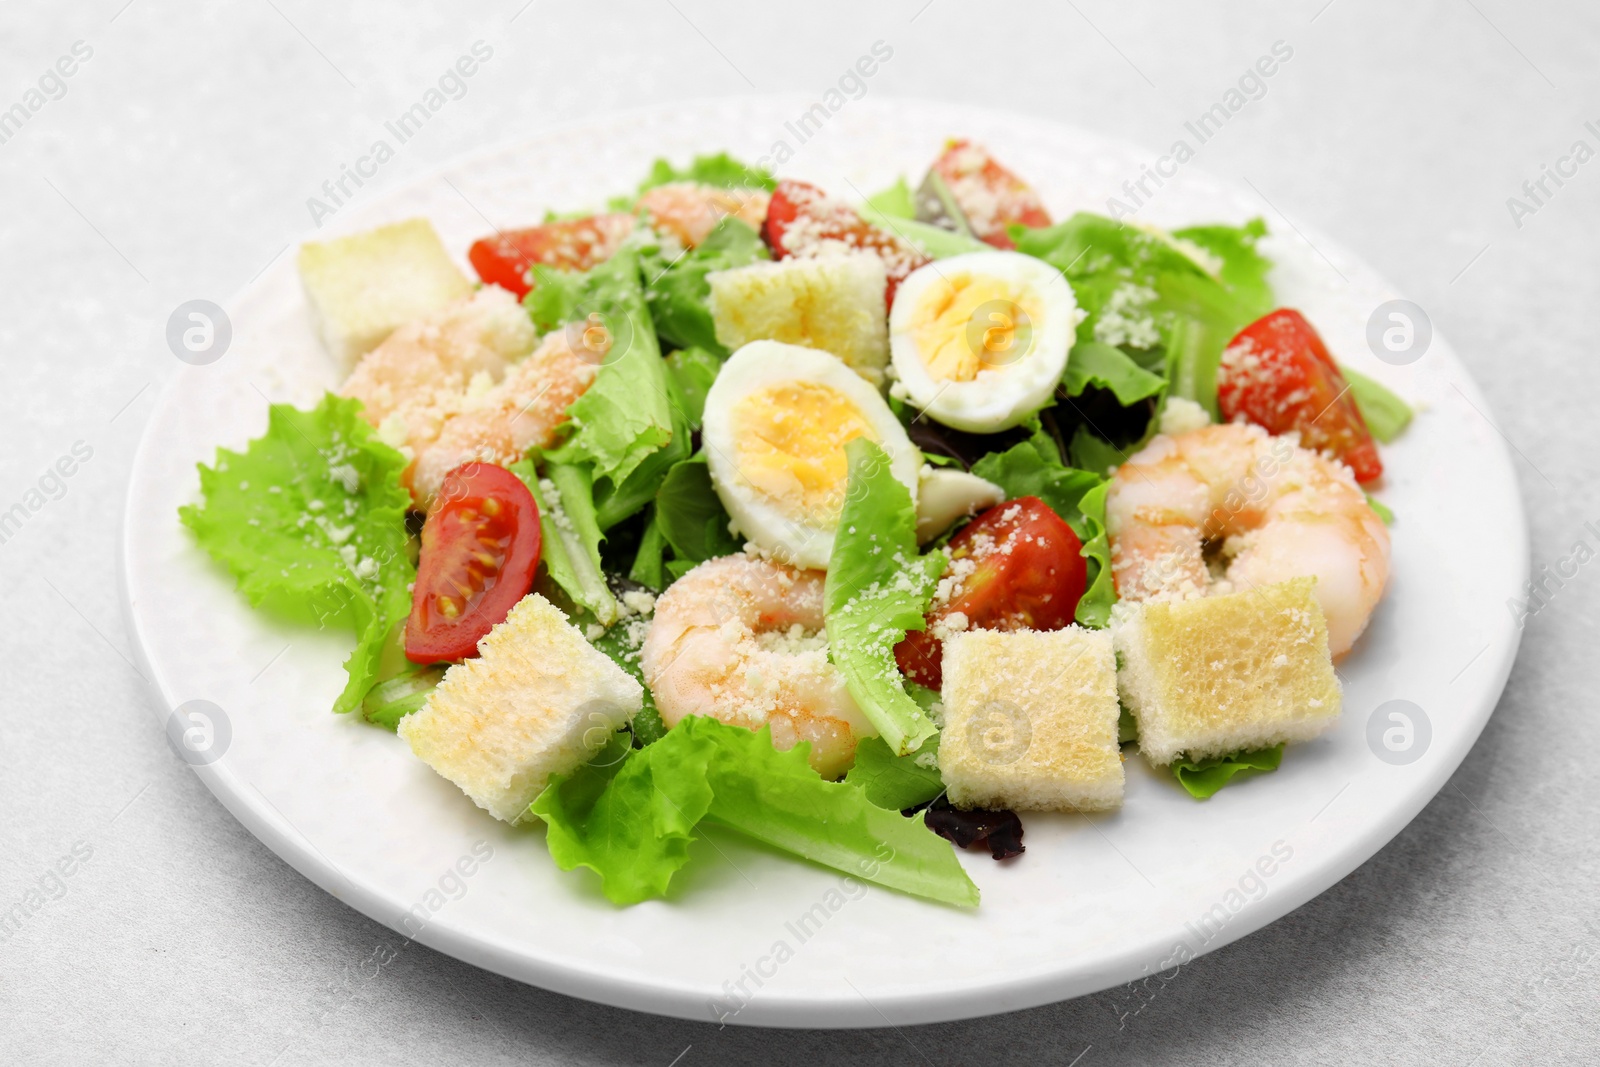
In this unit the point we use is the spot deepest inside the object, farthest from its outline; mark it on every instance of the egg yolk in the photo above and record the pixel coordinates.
(790, 441)
(965, 324)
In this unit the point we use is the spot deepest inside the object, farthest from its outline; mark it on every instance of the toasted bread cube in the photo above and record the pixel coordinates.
(538, 700)
(833, 303)
(363, 286)
(1030, 720)
(1223, 674)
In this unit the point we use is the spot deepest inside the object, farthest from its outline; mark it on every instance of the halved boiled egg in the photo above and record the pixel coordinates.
(777, 419)
(980, 340)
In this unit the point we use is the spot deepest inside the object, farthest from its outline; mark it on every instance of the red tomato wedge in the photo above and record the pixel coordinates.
(1278, 374)
(802, 220)
(1018, 566)
(571, 244)
(991, 196)
(480, 548)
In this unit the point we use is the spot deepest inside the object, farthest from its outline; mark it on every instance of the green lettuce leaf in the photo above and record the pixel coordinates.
(629, 816)
(310, 520)
(1089, 452)
(677, 293)
(1202, 778)
(1381, 508)
(650, 558)
(895, 202)
(1195, 314)
(692, 370)
(1244, 270)
(569, 535)
(878, 587)
(721, 170)
(896, 782)
(625, 429)
(691, 516)
(1386, 414)
(935, 242)
(1109, 367)
(1033, 468)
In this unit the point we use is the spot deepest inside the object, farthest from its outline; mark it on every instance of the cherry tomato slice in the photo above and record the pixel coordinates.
(570, 244)
(1278, 374)
(802, 220)
(1019, 567)
(991, 196)
(480, 548)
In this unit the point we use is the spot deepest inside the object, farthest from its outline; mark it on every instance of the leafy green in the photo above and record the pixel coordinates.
(625, 428)
(1386, 414)
(630, 815)
(895, 202)
(1381, 508)
(691, 515)
(310, 520)
(678, 294)
(1033, 468)
(390, 701)
(1202, 778)
(1113, 265)
(1244, 270)
(621, 642)
(1090, 453)
(1109, 367)
(691, 372)
(896, 782)
(878, 588)
(721, 170)
(649, 559)
(934, 241)
(569, 535)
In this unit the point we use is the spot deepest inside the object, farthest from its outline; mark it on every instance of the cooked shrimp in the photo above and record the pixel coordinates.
(459, 385)
(524, 410)
(691, 211)
(439, 354)
(1275, 510)
(737, 638)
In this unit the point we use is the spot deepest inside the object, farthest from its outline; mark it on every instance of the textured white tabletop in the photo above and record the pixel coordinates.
(175, 163)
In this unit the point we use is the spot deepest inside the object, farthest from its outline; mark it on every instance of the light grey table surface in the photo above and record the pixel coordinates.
(177, 164)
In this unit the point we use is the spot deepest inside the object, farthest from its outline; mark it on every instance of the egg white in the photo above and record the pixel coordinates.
(804, 539)
(1003, 393)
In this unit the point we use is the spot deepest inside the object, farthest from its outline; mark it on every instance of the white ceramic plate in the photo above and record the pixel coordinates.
(1093, 903)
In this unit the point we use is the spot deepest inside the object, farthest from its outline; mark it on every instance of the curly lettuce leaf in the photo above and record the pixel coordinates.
(721, 170)
(878, 587)
(1386, 414)
(896, 782)
(310, 520)
(1202, 778)
(1033, 468)
(1109, 367)
(676, 290)
(625, 429)
(1115, 265)
(630, 815)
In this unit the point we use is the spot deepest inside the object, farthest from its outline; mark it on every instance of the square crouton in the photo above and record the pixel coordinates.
(832, 303)
(1223, 674)
(1030, 721)
(363, 286)
(538, 700)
